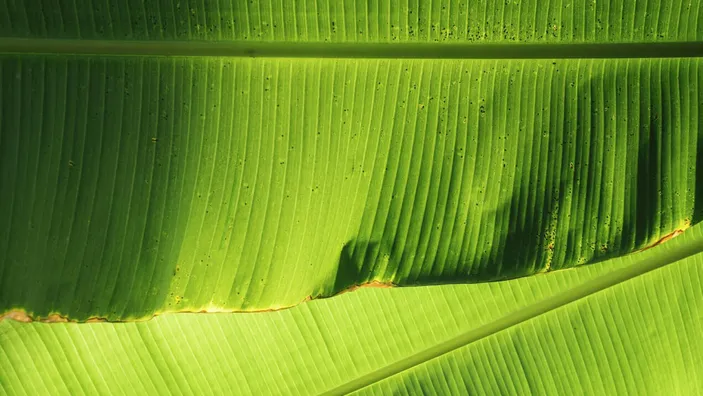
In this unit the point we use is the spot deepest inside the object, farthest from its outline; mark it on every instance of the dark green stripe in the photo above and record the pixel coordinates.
(353, 50)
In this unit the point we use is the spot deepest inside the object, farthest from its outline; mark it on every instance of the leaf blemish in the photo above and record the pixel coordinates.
(666, 238)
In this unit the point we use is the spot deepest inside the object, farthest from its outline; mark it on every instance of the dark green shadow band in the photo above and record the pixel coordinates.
(353, 50)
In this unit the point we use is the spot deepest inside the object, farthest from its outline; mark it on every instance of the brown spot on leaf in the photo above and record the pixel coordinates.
(22, 316)
(665, 238)
(55, 318)
(19, 316)
(373, 284)
(96, 319)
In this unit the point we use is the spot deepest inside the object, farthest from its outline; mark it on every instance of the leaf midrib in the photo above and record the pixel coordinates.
(687, 248)
(407, 50)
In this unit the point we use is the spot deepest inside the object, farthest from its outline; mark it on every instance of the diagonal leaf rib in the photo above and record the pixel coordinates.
(687, 248)
(408, 50)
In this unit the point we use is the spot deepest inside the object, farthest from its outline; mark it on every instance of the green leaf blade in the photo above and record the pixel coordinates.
(234, 184)
(354, 21)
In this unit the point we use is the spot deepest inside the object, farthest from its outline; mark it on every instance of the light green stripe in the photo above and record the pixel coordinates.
(687, 248)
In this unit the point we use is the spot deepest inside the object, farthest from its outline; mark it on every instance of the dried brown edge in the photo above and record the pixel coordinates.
(21, 315)
(369, 285)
